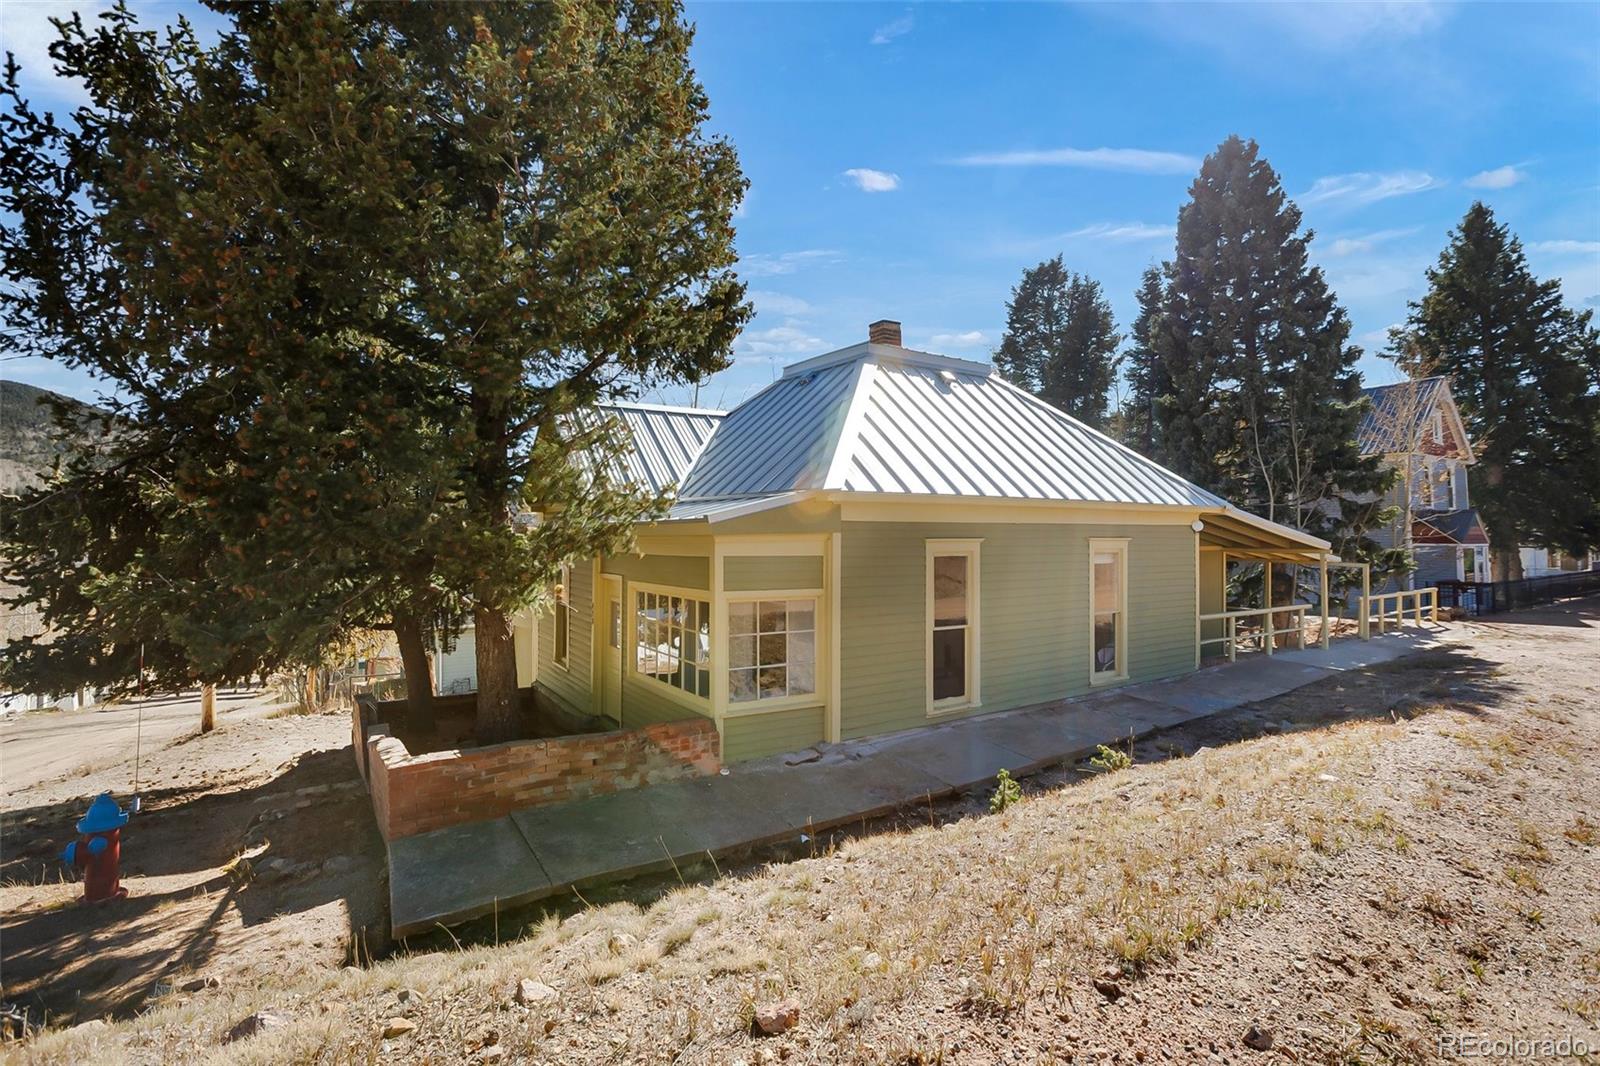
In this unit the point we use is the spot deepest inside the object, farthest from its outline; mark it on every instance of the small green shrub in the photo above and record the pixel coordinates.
(1110, 760)
(1006, 792)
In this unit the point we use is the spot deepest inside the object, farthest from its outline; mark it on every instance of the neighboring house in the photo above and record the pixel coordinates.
(1416, 427)
(883, 539)
(1543, 562)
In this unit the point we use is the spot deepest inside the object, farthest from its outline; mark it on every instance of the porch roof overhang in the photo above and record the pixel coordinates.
(1246, 536)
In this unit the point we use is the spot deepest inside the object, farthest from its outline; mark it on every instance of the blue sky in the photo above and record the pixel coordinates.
(910, 161)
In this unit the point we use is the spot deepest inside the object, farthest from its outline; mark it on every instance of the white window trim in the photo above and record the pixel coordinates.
(815, 698)
(563, 602)
(973, 699)
(1119, 546)
(630, 665)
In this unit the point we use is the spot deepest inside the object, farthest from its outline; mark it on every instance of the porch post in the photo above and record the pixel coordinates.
(1365, 625)
(1323, 571)
(1266, 577)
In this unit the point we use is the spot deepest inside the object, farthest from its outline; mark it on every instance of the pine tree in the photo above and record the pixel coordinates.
(1060, 341)
(1264, 399)
(1525, 370)
(373, 265)
(1146, 374)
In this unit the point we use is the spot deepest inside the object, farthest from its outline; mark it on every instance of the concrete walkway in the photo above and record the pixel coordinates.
(463, 872)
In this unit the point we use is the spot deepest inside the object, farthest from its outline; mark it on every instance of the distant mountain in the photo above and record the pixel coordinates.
(27, 433)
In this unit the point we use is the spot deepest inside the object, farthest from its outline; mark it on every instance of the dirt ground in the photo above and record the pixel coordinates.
(1393, 865)
(272, 788)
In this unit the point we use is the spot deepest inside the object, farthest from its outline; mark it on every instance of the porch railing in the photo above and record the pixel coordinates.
(1416, 597)
(1265, 633)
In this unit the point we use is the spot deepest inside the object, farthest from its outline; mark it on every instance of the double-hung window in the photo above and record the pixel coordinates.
(1108, 611)
(772, 649)
(952, 648)
(672, 640)
(563, 613)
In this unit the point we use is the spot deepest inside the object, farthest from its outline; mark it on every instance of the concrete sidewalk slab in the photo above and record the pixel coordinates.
(455, 874)
(461, 872)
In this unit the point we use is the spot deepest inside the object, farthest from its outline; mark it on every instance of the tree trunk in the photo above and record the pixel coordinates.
(1507, 564)
(208, 707)
(497, 676)
(419, 674)
(311, 688)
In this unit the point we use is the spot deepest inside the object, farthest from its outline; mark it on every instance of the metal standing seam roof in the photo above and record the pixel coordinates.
(666, 441)
(1381, 431)
(880, 419)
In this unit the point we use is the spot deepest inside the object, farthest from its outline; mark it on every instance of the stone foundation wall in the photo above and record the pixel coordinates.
(416, 793)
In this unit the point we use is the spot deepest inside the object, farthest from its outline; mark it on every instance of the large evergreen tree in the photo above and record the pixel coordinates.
(1263, 399)
(1060, 341)
(356, 271)
(1525, 370)
(1146, 373)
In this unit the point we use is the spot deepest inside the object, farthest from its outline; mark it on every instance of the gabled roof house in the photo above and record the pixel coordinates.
(1416, 427)
(882, 539)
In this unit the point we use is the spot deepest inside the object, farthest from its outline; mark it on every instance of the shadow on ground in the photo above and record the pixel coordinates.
(188, 901)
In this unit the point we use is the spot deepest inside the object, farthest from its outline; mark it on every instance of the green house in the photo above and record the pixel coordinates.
(880, 540)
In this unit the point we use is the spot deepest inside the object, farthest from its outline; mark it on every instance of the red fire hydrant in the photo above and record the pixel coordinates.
(99, 851)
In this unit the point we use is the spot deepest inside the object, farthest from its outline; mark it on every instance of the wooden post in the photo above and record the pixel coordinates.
(1233, 638)
(1323, 570)
(208, 707)
(1266, 595)
(1417, 607)
(1434, 599)
(1364, 627)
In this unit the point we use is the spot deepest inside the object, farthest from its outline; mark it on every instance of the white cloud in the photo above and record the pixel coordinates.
(26, 31)
(970, 339)
(791, 338)
(1358, 243)
(1566, 247)
(869, 180)
(772, 264)
(1498, 178)
(778, 303)
(890, 30)
(1132, 160)
(1364, 187)
(1122, 232)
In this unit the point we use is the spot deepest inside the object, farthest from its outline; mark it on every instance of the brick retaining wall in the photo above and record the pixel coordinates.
(415, 793)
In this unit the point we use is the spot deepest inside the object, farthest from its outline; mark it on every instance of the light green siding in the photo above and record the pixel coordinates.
(1033, 614)
(570, 683)
(679, 571)
(745, 573)
(753, 736)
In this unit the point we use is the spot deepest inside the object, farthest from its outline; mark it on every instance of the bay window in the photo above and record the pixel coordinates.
(672, 640)
(772, 649)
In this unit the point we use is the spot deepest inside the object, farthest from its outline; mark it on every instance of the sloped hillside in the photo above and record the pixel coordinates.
(27, 433)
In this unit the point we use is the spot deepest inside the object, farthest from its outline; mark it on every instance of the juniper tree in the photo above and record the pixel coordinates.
(1060, 342)
(1525, 371)
(360, 269)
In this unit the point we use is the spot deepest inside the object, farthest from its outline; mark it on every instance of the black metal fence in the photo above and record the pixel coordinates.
(1491, 597)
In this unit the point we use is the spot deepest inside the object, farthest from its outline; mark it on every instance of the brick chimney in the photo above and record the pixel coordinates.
(884, 331)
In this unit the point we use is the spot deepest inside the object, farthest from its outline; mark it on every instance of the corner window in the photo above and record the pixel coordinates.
(952, 624)
(1108, 611)
(563, 613)
(772, 649)
(672, 640)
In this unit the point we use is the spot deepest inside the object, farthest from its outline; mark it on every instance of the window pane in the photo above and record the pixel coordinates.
(802, 614)
(741, 686)
(773, 649)
(614, 630)
(1105, 582)
(772, 616)
(705, 685)
(802, 648)
(773, 682)
(802, 678)
(949, 590)
(1105, 643)
(742, 617)
(690, 676)
(691, 619)
(949, 663)
(704, 656)
(677, 611)
(741, 652)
